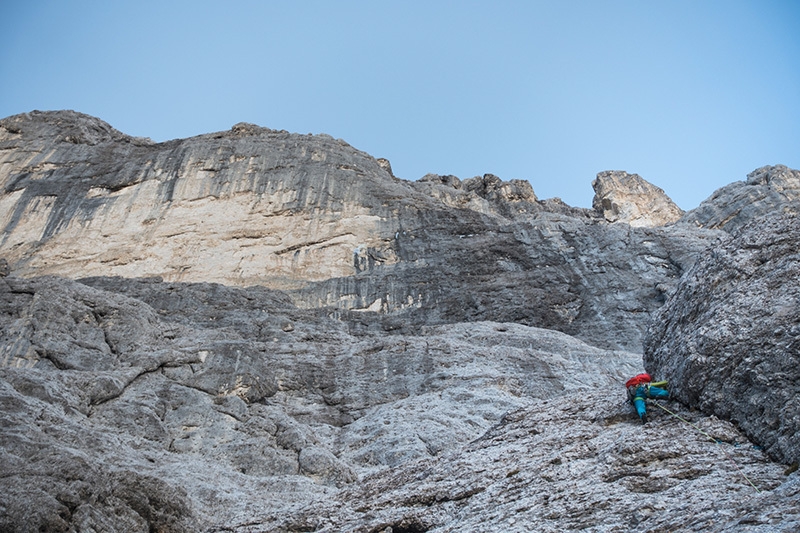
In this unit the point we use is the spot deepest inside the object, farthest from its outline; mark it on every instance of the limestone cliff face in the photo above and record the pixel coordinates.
(138, 405)
(246, 206)
(330, 224)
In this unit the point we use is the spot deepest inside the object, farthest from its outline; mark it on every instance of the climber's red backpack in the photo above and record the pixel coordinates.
(638, 380)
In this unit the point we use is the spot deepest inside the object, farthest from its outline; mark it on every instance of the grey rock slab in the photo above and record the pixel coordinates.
(340, 406)
(461, 427)
(729, 338)
(65, 474)
(767, 190)
(577, 462)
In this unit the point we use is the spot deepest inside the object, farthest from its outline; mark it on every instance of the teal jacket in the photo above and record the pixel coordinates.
(644, 391)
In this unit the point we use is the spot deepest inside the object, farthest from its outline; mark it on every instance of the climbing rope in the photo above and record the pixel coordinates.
(715, 441)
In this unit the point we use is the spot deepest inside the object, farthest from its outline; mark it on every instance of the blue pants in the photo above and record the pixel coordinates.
(646, 391)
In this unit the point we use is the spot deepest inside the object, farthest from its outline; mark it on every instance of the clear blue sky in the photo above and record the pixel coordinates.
(691, 95)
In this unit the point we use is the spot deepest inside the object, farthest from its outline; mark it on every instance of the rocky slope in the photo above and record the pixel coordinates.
(212, 395)
(260, 331)
(181, 407)
(578, 464)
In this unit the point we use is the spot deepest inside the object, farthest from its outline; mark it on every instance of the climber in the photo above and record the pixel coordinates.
(641, 387)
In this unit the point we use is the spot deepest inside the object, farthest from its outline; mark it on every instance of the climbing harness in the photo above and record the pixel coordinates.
(641, 387)
(715, 441)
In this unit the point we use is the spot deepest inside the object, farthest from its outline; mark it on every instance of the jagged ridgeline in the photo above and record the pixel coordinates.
(255, 330)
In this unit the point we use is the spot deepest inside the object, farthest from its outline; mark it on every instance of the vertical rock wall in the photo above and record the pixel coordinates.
(239, 207)
(729, 339)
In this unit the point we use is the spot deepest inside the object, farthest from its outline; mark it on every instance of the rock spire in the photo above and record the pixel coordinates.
(623, 197)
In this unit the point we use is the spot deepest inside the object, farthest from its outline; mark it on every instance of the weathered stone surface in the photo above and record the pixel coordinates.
(729, 338)
(200, 389)
(328, 223)
(231, 207)
(767, 190)
(399, 380)
(623, 197)
(594, 281)
(576, 463)
(420, 421)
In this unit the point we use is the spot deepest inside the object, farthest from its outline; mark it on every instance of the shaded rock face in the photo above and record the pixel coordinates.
(623, 197)
(329, 224)
(729, 338)
(767, 190)
(592, 281)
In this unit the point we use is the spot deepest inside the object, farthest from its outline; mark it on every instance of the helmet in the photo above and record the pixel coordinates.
(638, 380)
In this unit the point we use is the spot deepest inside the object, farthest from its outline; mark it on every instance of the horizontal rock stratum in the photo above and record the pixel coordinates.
(259, 331)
